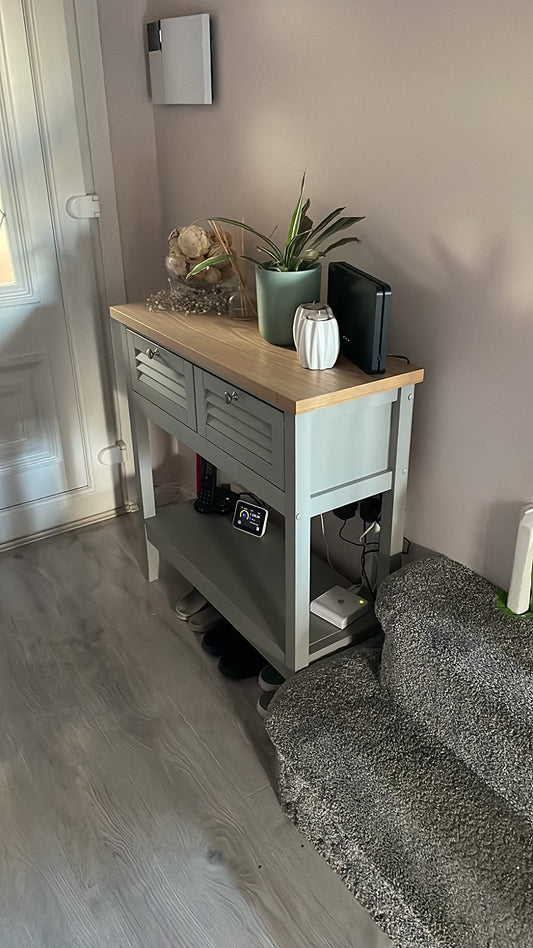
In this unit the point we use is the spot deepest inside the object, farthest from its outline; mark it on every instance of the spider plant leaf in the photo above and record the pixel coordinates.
(307, 264)
(324, 223)
(257, 263)
(250, 230)
(339, 243)
(342, 224)
(307, 226)
(292, 250)
(210, 262)
(296, 219)
(270, 253)
(306, 223)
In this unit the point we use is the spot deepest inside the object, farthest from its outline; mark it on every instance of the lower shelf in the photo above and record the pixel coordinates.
(244, 578)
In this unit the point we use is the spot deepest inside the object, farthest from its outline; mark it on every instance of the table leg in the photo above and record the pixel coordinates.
(297, 540)
(297, 570)
(145, 484)
(394, 500)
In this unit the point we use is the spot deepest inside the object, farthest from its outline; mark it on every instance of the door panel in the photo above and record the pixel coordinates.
(54, 391)
(33, 337)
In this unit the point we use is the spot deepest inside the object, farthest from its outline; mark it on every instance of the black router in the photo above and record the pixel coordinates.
(360, 304)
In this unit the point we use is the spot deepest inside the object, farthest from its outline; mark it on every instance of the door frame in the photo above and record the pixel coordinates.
(83, 30)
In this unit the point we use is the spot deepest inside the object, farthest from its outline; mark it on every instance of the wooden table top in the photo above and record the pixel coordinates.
(234, 350)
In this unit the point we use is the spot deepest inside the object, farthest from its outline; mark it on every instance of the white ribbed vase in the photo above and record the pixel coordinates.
(316, 336)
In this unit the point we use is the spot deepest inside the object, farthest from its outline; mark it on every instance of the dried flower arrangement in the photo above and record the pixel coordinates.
(188, 246)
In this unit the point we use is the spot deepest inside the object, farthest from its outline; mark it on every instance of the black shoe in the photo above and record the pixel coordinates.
(218, 640)
(241, 660)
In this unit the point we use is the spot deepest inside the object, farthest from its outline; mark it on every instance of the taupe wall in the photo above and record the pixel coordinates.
(131, 125)
(417, 114)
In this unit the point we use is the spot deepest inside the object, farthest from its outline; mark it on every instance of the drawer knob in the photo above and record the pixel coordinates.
(152, 353)
(231, 397)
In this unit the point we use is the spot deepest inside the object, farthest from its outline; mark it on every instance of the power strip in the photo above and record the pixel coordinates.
(339, 606)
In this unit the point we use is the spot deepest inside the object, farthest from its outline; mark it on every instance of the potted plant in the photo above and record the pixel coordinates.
(289, 275)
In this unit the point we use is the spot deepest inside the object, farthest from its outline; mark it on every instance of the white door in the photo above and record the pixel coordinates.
(56, 412)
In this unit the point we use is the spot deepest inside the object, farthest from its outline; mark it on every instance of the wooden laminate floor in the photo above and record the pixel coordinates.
(136, 800)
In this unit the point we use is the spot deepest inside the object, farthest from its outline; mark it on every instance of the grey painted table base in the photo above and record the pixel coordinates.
(307, 464)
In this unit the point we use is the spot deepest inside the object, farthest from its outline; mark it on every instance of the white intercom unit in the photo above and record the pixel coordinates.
(179, 53)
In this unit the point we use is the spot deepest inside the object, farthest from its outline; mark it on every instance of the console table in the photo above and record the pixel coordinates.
(303, 441)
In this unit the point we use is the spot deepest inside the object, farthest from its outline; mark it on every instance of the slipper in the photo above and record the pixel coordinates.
(205, 620)
(263, 702)
(190, 604)
(269, 678)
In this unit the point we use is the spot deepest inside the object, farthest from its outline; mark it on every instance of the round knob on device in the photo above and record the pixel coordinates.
(152, 353)
(231, 397)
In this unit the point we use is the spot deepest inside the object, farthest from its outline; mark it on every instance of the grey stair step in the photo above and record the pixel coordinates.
(462, 669)
(437, 858)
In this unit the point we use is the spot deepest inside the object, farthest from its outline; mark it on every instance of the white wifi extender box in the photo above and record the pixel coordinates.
(339, 606)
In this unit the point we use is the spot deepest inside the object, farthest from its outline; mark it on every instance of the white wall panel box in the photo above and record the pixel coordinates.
(179, 53)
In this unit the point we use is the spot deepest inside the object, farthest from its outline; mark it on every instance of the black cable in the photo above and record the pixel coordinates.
(364, 555)
(391, 355)
(406, 540)
(365, 575)
(256, 500)
(366, 549)
(356, 542)
(346, 539)
(352, 542)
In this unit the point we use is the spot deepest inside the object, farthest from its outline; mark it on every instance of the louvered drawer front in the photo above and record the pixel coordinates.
(245, 427)
(163, 378)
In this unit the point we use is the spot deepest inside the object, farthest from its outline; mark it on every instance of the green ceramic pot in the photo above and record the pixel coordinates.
(278, 297)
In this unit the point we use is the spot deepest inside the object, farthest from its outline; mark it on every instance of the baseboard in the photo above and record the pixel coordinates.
(65, 528)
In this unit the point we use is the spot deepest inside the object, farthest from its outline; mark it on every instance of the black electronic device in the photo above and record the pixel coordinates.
(250, 518)
(208, 486)
(211, 498)
(361, 305)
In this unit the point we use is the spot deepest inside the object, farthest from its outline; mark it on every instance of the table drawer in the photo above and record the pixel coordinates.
(243, 426)
(163, 377)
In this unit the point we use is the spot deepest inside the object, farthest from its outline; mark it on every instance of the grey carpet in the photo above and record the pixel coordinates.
(463, 670)
(438, 857)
